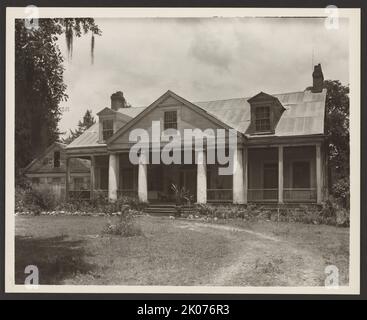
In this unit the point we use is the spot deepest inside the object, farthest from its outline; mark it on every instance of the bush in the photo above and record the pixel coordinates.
(341, 192)
(21, 199)
(331, 213)
(125, 227)
(40, 198)
(230, 211)
(206, 210)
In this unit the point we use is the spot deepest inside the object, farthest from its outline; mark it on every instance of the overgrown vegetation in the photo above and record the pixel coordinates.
(126, 225)
(330, 213)
(337, 141)
(39, 83)
(40, 199)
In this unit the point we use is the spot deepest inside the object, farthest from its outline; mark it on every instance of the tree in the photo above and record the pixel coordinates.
(337, 127)
(337, 137)
(87, 122)
(39, 84)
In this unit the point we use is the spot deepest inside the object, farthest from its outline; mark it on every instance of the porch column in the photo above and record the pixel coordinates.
(92, 176)
(67, 179)
(318, 174)
(113, 173)
(201, 177)
(280, 174)
(238, 186)
(143, 178)
(245, 174)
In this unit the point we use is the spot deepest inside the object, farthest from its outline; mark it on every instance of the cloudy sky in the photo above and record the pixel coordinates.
(199, 59)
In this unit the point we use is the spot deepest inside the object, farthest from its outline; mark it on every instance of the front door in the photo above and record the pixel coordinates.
(271, 181)
(188, 181)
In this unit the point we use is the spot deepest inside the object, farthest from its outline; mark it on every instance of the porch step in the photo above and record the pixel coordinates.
(162, 209)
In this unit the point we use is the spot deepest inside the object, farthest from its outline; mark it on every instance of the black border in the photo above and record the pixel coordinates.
(188, 3)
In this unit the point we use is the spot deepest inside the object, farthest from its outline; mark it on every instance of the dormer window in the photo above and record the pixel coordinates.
(262, 118)
(170, 120)
(107, 129)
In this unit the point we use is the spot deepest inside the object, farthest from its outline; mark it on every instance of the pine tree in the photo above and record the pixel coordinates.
(86, 123)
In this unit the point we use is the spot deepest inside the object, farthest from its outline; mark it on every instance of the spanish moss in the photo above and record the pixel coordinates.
(69, 40)
(92, 49)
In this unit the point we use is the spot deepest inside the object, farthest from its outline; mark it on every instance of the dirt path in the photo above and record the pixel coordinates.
(259, 259)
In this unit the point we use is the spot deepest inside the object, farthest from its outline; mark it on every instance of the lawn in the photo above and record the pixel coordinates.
(72, 250)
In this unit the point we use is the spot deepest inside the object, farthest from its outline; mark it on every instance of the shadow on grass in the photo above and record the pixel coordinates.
(56, 258)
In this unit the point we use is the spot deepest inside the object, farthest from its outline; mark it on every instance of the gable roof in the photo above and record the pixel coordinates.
(303, 115)
(162, 98)
(45, 152)
(36, 166)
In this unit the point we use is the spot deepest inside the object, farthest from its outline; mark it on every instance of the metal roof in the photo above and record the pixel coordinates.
(89, 138)
(304, 115)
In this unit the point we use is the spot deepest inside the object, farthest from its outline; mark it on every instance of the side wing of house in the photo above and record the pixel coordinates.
(49, 170)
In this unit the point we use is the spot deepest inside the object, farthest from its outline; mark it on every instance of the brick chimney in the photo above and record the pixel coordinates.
(118, 101)
(318, 79)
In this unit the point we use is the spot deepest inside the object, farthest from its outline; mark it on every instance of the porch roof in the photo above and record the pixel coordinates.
(304, 115)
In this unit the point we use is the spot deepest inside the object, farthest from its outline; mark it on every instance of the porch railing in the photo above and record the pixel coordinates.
(79, 194)
(270, 195)
(299, 194)
(127, 193)
(219, 195)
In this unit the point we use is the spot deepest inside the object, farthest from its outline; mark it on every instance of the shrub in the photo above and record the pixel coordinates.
(21, 200)
(341, 191)
(133, 202)
(125, 227)
(40, 198)
(206, 210)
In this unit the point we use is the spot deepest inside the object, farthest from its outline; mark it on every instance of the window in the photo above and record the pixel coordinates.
(262, 119)
(271, 175)
(170, 120)
(301, 175)
(35, 180)
(78, 183)
(107, 129)
(57, 159)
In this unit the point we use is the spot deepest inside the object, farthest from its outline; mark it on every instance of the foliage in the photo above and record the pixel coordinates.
(331, 213)
(37, 199)
(341, 191)
(86, 123)
(125, 227)
(337, 135)
(39, 83)
(182, 195)
(337, 127)
(40, 198)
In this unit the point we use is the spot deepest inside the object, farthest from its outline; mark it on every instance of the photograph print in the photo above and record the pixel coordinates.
(182, 152)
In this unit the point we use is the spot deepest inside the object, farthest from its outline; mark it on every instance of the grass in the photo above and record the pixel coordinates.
(72, 250)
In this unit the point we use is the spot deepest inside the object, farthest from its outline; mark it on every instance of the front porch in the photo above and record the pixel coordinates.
(279, 174)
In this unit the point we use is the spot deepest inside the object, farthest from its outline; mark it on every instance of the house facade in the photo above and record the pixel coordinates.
(49, 168)
(279, 155)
